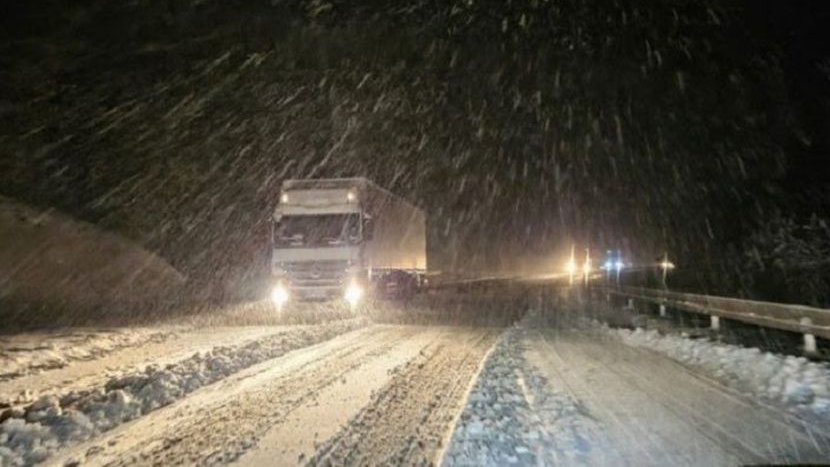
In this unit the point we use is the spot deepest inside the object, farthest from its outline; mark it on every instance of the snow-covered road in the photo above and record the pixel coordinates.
(57, 363)
(654, 411)
(381, 393)
(570, 395)
(544, 391)
(140, 380)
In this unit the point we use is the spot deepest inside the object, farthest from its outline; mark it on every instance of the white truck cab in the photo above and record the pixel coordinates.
(341, 239)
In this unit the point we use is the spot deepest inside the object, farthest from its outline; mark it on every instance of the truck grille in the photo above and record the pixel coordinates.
(316, 273)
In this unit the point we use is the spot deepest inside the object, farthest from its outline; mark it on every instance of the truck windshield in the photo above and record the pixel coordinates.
(317, 230)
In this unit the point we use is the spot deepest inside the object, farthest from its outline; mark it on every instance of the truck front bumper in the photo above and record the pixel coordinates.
(352, 293)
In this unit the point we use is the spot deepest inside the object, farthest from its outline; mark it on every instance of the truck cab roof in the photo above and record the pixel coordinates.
(324, 183)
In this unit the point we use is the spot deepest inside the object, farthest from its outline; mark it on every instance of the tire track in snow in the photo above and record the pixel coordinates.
(223, 422)
(511, 418)
(408, 421)
(51, 423)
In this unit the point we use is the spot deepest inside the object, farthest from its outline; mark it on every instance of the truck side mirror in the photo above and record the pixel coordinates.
(368, 228)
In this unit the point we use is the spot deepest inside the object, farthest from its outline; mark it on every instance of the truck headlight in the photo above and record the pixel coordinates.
(353, 294)
(279, 295)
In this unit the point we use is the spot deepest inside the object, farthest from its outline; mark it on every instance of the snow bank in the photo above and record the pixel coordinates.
(512, 417)
(796, 383)
(23, 354)
(31, 435)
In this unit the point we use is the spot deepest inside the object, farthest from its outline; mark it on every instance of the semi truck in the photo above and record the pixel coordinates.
(345, 239)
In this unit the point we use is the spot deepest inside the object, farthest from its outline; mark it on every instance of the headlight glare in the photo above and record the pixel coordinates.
(279, 295)
(353, 293)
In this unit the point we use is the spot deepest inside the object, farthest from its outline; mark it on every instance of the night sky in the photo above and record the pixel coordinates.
(522, 127)
(798, 30)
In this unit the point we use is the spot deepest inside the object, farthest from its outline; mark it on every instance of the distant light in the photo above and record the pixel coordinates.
(608, 265)
(619, 265)
(570, 266)
(350, 196)
(284, 198)
(666, 264)
(586, 267)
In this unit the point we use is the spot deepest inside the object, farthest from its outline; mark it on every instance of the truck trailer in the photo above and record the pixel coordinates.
(345, 239)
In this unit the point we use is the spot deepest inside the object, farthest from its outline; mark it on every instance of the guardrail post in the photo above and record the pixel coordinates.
(715, 324)
(662, 310)
(809, 339)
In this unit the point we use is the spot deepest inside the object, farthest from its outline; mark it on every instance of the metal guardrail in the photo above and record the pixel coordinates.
(809, 321)
(461, 282)
(795, 318)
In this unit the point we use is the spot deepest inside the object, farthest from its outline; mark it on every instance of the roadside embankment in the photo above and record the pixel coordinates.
(57, 271)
